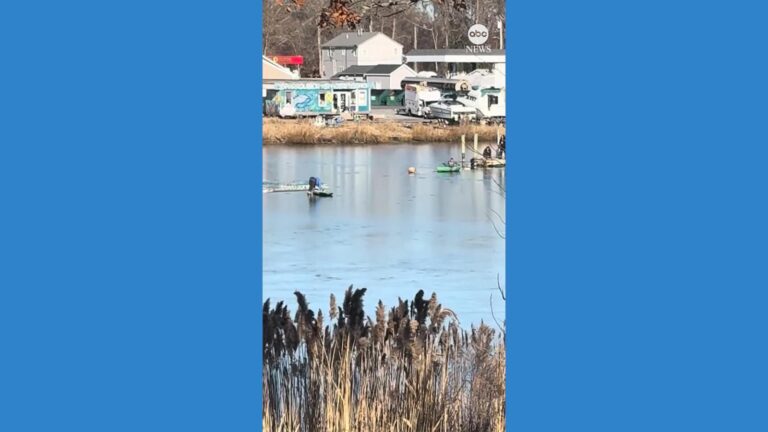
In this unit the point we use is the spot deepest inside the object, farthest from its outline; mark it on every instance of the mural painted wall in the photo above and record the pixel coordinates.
(313, 99)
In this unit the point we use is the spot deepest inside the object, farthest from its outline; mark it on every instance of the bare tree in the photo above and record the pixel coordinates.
(299, 27)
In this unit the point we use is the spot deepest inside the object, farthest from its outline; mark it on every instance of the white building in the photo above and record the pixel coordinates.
(273, 71)
(483, 78)
(380, 77)
(458, 60)
(358, 48)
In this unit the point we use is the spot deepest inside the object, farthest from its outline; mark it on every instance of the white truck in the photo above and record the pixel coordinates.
(489, 102)
(418, 97)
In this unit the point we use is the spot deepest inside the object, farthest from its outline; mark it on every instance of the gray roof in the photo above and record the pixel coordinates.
(383, 69)
(363, 70)
(459, 51)
(355, 70)
(352, 39)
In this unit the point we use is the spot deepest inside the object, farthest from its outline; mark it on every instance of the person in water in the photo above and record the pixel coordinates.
(487, 152)
(314, 183)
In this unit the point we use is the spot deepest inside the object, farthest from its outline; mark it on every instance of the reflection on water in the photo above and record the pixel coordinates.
(385, 230)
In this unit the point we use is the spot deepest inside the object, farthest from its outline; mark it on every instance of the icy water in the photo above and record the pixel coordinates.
(384, 229)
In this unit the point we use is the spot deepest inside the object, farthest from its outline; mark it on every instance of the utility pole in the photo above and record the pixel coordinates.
(415, 45)
(501, 34)
(319, 54)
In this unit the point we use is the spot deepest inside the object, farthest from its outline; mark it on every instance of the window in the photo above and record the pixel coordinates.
(288, 96)
(492, 100)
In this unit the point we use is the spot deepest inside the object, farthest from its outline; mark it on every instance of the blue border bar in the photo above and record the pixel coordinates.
(131, 235)
(637, 216)
(130, 245)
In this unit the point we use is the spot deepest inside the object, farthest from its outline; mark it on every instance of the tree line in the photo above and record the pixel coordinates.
(299, 27)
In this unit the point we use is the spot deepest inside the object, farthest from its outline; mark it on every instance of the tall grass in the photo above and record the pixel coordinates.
(276, 131)
(412, 369)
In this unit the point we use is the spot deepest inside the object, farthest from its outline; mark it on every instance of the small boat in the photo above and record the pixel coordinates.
(489, 163)
(324, 193)
(451, 111)
(284, 187)
(449, 168)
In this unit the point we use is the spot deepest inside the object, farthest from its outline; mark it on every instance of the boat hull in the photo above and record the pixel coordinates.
(455, 168)
(490, 163)
(320, 193)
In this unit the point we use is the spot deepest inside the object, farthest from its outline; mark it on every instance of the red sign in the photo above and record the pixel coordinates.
(289, 60)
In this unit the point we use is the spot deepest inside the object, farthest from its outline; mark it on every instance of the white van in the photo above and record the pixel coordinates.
(418, 97)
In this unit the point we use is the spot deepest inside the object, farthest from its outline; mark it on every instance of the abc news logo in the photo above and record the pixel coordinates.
(478, 35)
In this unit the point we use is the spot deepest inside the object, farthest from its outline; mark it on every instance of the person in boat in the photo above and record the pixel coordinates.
(487, 152)
(451, 162)
(314, 183)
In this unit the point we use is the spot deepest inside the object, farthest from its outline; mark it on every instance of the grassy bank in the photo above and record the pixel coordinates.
(278, 131)
(411, 369)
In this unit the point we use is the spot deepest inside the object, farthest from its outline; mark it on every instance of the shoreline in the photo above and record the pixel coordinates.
(304, 132)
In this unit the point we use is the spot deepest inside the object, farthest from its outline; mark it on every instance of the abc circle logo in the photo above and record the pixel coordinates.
(478, 34)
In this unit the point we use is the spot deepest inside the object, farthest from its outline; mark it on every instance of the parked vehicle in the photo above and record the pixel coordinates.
(418, 97)
(451, 111)
(489, 103)
(444, 84)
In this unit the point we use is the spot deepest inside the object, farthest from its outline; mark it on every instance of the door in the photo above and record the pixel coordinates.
(343, 101)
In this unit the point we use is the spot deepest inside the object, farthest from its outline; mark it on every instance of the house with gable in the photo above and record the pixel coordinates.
(358, 49)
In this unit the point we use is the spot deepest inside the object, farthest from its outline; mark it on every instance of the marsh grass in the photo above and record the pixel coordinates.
(412, 368)
(277, 131)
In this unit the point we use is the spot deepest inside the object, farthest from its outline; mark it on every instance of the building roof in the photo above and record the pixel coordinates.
(356, 70)
(313, 83)
(384, 69)
(469, 55)
(453, 51)
(353, 39)
(363, 70)
(272, 70)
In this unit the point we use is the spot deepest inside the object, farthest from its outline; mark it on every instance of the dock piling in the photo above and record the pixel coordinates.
(463, 148)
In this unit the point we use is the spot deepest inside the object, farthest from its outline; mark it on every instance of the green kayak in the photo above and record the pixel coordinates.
(449, 168)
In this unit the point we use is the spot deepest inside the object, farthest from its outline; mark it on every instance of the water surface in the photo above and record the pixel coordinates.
(384, 230)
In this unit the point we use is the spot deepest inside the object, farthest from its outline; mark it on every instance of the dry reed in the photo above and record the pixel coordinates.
(412, 369)
(279, 131)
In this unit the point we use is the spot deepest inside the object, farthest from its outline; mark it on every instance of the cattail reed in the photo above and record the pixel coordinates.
(411, 369)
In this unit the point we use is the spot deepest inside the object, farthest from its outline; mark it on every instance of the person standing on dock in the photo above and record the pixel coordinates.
(502, 151)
